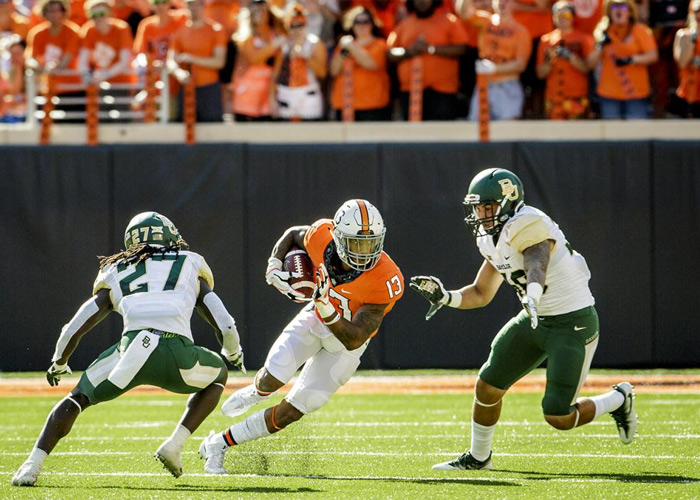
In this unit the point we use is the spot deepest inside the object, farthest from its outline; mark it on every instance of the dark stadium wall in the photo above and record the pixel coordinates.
(631, 208)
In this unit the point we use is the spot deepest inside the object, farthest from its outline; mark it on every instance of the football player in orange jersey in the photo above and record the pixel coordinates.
(357, 284)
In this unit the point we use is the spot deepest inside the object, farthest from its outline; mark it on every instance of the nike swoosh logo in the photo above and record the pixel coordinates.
(506, 257)
(345, 291)
(579, 328)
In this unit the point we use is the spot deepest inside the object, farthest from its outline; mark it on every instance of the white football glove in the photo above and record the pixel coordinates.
(321, 296)
(433, 290)
(275, 276)
(485, 67)
(236, 358)
(55, 371)
(531, 308)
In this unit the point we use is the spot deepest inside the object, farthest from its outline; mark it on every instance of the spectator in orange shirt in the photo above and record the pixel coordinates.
(106, 46)
(562, 61)
(536, 16)
(686, 52)
(504, 50)
(370, 81)
(197, 53)
(11, 21)
(13, 102)
(439, 39)
(299, 70)
(258, 46)
(52, 49)
(386, 13)
(624, 47)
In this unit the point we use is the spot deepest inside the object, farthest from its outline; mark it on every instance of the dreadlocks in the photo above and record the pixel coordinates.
(140, 252)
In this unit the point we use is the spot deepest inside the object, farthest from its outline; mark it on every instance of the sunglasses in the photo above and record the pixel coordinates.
(160, 2)
(362, 21)
(296, 26)
(566, 14)
(620, 6)
(98, 14)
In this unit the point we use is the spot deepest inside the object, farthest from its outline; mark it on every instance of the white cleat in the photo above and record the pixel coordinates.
(625, 416)
(465, 462)
(241, 401)
(213, 451)
(170, 456)
(27, 474)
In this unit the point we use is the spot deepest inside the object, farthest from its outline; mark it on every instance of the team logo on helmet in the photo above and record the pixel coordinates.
(508, 189)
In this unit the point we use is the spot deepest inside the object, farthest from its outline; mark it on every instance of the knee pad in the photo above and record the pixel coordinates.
(555, 406)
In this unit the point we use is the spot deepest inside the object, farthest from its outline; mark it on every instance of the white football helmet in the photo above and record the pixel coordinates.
(358, 232)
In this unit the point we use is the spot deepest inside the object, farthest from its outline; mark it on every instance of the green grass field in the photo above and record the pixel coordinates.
(362, 446)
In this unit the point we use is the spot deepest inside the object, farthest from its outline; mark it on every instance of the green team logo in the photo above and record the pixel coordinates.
(146, 342)
(508, 189)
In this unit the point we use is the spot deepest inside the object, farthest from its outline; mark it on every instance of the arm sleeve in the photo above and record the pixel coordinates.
(206, 273)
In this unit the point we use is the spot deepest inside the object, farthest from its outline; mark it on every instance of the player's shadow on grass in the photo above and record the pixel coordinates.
(637, 477)
(414, 480)
(201, 488)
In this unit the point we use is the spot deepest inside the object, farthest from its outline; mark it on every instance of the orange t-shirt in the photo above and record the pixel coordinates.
(154, 38)
(588, 13)
(631, 81)
(46, 48)
(689, 85)
(105, 47)
(370, 87)
(200, 41)
(439, 73)
(383, 284)
(565, 81)
(501, 43)
(537, 23)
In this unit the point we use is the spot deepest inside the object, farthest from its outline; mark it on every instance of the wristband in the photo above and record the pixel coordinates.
(334, 319)
(59, 368)
(455, 299)
(325, 309)
(534, 291)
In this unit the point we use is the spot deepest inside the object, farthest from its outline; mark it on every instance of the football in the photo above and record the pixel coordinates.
(298, 261)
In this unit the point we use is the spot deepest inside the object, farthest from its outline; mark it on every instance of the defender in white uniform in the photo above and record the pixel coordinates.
(155, 284)
(523, 246)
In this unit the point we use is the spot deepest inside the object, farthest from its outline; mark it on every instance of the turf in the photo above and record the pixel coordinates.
(362, 446)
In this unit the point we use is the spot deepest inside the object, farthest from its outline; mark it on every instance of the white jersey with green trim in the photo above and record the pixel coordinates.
(159, 292)
(566, 284)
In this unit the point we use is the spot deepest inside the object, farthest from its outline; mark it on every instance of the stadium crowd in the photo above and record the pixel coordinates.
(365, 60)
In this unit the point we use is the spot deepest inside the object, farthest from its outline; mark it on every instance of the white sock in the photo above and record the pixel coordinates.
(37, 456)
(482, 435)
(605, 403)
(253, 427)
(179, 435)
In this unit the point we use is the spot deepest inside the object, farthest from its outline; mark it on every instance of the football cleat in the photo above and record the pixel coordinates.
(465, 462)
(27, 474)
(625, 416)
(170, 456)
(213, 451)
(241, 401)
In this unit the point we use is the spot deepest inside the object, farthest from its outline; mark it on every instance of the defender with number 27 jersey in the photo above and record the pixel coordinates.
(382, 284)
(171, 280)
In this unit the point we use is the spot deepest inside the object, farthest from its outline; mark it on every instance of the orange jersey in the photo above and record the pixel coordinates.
(689, 85)
(154, 38)
(564, 80)
(18, 25)
(439, 73)
(383, 284)
(501, 42)
(200, 41)
(46, 48)
(105, 47)
(225, 13)
(370, 87)
(631, 81)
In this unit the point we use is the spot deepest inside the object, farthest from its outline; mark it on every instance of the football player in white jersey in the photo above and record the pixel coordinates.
(155, 284)
(523, 246)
